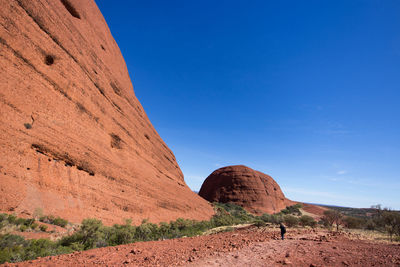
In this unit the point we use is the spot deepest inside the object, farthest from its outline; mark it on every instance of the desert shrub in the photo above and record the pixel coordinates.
(146, 231)
(370, 225)
(290, 220)
(53, 220)
(15, 248)
(29, 222)
(230, 214)
(43, 227)
(34, 226)
(272, 218)
(277, 218)
(121, 234)
(306, 220)
(265, 217)
(11, 248)
(9, 240)
(12, 219)
(222, 220)
(91, 233)
(259, 223)
(293, 210)
(3, 217)
(20, 221)
(353, 222)
(60, 222)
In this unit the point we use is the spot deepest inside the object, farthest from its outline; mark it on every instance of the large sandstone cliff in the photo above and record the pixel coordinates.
(255, 191)
(74, 140)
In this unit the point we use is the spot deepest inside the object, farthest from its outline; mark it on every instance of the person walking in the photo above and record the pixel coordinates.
(283, 230)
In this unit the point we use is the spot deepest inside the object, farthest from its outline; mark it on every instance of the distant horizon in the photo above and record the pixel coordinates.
(307, 93)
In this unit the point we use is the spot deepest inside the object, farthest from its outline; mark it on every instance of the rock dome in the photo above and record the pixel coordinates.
(253, 190)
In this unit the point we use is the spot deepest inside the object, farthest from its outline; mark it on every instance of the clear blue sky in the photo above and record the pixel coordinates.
(305, 91)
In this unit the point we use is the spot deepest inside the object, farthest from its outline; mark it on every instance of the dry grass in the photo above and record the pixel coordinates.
(9, 228)
(370, 235)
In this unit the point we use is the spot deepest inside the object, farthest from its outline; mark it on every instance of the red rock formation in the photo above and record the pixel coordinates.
(74, 139)
(255, 191)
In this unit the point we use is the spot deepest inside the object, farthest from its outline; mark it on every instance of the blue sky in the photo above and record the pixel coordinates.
(305, 91)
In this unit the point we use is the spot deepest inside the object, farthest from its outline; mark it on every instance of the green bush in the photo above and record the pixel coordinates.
(12, 219)
(92, 234)
(293, 210)
(43, 227)
(60, 222)
(306, 220)
(34, 226)
(290, 220)
(259, 223)
(353, 222)
(20, 221)
(15, 248)
(53, 220)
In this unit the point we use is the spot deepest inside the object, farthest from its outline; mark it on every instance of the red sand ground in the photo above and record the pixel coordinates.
(247, 247)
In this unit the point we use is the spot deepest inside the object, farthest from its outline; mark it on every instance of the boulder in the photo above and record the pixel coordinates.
(74, 139)
(253, 190)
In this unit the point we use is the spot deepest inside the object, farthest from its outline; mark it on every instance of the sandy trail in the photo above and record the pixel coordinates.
(309, 250)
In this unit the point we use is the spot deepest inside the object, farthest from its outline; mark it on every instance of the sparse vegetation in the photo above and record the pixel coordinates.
(292, 210)
(93, 234)
(12, 222)
(54, 220)
(14, 248)
(378, 219)
(43, 227)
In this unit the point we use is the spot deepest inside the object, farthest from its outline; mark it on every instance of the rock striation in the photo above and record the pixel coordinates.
(253, 190)
(75, 142)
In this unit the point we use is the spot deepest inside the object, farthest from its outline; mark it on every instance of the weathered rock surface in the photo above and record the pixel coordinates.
(253, 190)
(74, 140)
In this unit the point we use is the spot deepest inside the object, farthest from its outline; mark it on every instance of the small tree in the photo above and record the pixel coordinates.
(391, 220)
(332, 217)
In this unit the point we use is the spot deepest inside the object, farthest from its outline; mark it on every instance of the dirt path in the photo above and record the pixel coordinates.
(309, 250)
(247, 247)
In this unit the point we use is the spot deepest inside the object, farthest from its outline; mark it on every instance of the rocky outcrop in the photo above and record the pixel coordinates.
(255, 191)
(75, 141)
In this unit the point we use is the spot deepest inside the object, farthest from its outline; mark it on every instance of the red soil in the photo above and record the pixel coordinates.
(316, 211)
(247, 247)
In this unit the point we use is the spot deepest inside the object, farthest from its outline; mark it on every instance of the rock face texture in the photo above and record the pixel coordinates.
(74, 140)
(253, 190)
